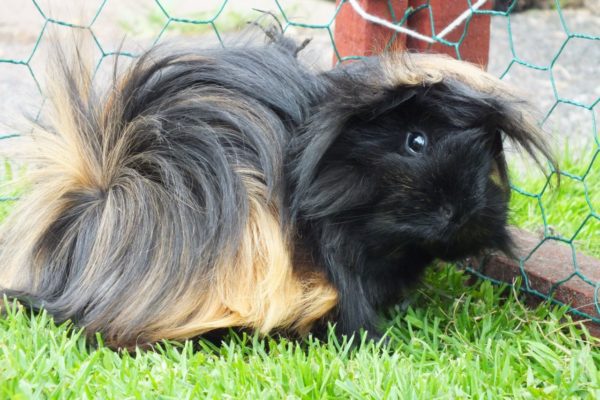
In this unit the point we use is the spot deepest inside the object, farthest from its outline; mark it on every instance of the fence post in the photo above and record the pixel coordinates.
(355, 36)
(475, 47)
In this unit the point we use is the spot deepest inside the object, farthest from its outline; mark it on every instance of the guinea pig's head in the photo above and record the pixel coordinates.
(417, 148)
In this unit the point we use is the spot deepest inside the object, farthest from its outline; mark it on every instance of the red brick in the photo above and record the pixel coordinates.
(545, 266)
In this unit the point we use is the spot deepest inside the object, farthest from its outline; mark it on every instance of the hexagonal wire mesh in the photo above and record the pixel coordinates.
(548, 69)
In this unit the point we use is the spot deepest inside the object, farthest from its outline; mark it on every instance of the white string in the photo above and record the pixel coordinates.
(452, 26)
(387, 24)
(466, 14)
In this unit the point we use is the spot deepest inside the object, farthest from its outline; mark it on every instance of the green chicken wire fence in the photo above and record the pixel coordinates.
(569, 215)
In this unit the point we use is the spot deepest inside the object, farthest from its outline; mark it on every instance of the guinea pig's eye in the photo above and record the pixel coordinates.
(416, 142)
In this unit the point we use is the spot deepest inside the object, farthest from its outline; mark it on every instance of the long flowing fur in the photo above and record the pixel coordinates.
(373, 213)
(155, 210)
(231, 188)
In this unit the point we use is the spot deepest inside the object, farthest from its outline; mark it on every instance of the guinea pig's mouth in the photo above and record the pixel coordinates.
(455, 255)
(471, 243)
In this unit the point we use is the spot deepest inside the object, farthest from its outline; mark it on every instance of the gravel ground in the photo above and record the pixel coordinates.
(537, 37)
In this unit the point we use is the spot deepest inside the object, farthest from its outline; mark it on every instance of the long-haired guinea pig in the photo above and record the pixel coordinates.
(155, 210)
(402, 163)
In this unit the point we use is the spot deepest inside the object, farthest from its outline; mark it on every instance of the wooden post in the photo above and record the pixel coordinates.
(476, 45)
(355, 36)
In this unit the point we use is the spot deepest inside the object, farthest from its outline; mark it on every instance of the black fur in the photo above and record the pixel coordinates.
(376, 215)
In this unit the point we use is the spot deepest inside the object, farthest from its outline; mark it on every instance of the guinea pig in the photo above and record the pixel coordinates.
(401, 164)
(222, 188)
(156, 210)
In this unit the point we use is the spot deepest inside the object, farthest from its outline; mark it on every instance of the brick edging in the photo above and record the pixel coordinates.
(545, 263)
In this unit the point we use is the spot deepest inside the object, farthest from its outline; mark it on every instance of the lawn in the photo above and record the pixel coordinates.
(449, 338)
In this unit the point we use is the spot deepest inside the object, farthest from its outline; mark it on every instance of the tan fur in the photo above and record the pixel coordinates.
(497, 179)
(256, 288)
(419, 69)
(28, 222)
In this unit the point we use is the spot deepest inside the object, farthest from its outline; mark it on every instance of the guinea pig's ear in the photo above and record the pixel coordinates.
(513, 118)
(504, 114)
(516, 119)
(519, 125)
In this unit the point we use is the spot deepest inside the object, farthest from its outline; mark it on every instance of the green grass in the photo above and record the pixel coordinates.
(449, 339)
(571, 211)
(10, 186)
